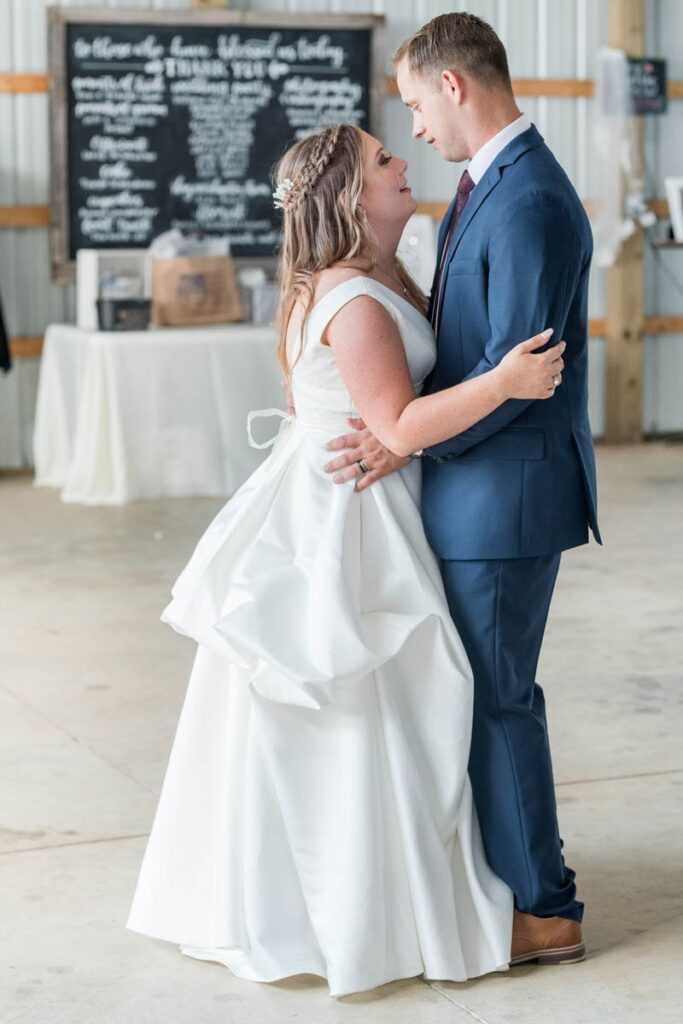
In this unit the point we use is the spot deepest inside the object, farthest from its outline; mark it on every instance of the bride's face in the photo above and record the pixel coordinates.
(386, 196)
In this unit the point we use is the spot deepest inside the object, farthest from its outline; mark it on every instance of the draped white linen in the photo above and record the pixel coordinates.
(150, 414)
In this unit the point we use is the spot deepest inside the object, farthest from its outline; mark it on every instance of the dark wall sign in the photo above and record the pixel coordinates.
(174, 119)
(648, 85)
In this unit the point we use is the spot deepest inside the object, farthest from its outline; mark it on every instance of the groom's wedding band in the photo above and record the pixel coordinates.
(556, 381)
(363, 467)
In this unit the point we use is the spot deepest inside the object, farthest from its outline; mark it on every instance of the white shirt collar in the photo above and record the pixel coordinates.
(484, 157)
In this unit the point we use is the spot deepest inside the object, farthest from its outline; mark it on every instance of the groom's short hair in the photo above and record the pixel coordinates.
(457, 42)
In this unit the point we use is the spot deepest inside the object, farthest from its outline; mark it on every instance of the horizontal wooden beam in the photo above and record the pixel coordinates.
(653, 325)
(564, 88)
(560, 88)
(26, 347)
(32, 347)
(24, 216)
(39, 216)
(657, 325)
(597, 328)
(24, 83)
(437, 208)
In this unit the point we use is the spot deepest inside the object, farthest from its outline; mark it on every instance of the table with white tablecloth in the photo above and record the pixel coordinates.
(149, 414)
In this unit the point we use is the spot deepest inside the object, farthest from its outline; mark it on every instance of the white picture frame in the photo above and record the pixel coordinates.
(674, 197)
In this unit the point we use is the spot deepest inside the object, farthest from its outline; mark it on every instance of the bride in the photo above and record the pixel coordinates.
(316, 815)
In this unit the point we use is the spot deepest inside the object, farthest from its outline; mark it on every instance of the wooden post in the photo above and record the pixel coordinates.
(625, 280)
(210, 4)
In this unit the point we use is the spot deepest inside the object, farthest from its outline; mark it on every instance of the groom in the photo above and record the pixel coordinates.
(502, 500)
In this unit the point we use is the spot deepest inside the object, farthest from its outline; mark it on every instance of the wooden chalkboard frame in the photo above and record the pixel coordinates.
(64, 268)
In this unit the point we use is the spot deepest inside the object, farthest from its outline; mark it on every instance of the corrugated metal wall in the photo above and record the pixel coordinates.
(543, 38)
(664, 279)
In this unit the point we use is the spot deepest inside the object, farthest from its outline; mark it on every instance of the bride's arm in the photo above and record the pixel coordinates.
(371, 359)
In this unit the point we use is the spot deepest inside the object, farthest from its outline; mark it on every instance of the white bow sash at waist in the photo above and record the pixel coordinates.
(259, 414)
(330, 422)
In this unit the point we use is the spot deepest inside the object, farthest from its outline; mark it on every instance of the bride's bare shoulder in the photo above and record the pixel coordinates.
(330, 277)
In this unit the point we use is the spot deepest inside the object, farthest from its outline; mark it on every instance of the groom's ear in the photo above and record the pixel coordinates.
(454, 85)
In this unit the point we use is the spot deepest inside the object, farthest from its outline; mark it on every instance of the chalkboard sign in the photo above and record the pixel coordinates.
(174, 119)
(647, 81)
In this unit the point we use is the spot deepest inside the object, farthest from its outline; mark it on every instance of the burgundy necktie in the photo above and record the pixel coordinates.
(465, 186)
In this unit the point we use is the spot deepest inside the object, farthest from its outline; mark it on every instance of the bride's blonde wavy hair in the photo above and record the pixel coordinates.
(319, 230)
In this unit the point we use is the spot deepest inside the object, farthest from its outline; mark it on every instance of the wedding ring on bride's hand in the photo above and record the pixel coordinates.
(556, 381)
(363, 467)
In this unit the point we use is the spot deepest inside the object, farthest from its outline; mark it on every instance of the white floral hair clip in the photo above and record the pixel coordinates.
(281, 191)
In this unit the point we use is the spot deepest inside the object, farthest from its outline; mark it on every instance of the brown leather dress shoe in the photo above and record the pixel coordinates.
(547, 940)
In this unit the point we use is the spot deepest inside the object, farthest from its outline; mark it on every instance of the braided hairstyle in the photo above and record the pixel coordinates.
(322, 151)
(320, 182)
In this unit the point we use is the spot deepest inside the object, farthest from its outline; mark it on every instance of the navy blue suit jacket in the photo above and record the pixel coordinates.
(521, 482)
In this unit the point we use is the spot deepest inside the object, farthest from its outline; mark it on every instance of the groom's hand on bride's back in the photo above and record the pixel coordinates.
(361, 444)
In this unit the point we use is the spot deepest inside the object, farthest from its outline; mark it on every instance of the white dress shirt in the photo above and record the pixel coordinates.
(484, 157)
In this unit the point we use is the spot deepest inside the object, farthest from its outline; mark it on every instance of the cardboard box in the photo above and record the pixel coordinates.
(189, 290)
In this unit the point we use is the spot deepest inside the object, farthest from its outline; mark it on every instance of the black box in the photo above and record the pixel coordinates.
(123, 314)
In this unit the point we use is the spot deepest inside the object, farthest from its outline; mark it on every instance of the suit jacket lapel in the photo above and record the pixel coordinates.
(477, 197)
(529, 139)
(443, 226)
(443, 230)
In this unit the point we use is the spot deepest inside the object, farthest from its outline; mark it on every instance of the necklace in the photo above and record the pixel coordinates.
(396, 280)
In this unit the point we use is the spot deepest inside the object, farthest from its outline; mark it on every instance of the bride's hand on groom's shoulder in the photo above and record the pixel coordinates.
(361, 445)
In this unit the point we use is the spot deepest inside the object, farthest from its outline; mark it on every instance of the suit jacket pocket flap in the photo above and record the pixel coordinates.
(513, 443)
(463, 265)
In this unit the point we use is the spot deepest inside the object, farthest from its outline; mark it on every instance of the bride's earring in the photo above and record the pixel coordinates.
(363, 214)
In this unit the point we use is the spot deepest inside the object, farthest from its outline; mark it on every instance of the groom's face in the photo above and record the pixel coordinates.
(436, 109)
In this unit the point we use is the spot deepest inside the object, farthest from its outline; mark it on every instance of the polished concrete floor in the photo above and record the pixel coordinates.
(90, 688)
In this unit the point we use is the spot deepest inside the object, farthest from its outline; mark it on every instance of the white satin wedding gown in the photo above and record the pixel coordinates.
(316, 815)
